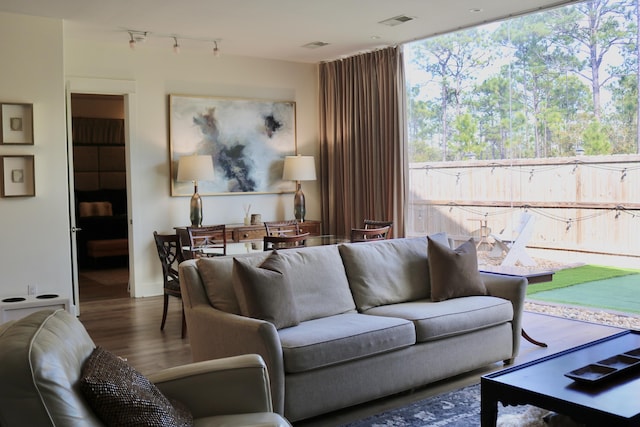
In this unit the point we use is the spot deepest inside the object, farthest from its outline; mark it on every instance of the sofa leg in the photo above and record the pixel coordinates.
(509, 361)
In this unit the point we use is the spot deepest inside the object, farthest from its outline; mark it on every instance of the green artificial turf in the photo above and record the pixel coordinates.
(578, 275)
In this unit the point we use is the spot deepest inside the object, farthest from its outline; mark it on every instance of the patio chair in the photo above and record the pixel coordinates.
(514, 243)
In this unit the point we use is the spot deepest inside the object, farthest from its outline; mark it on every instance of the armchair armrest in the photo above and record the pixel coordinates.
(511, 288)
(232, 385)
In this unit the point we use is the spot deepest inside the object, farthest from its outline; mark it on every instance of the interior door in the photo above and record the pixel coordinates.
(72, 211)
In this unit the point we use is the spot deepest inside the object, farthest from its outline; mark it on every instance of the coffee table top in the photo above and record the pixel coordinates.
(545, 378)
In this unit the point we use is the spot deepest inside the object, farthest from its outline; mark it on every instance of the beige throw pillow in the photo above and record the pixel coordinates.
(265, 292)
(454, 272)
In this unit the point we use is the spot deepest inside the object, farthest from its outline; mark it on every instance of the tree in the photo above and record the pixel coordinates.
(452, 61)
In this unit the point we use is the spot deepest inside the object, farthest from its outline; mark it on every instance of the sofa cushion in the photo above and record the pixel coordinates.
(436, 320)
(319, 282)
(454, 273)
(264, 292)
(121, 396)
(216, 278)
(344, 337)
(387, 271)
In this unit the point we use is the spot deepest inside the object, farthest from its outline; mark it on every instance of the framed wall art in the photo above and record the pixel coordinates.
(18, 176)
(247, 139)
(16, 124)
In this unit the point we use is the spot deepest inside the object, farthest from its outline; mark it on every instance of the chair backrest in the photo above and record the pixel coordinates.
(369, 234)
(372, 223)
(285, 242)
(41, 358)
(207, 241)
(282, 228)
(170, 254)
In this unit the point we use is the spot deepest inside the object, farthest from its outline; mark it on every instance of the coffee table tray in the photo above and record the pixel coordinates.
(607, 368)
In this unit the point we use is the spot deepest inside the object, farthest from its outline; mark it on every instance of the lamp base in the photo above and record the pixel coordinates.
(196, 210)
(299, 209)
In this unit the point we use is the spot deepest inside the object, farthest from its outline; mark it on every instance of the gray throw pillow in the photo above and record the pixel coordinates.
(265, 292)
(121, 396)
(453, 273)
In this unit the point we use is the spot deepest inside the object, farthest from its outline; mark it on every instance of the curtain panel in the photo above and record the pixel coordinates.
(363, 158)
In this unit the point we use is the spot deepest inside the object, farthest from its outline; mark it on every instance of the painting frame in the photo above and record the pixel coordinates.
(17, 173)
(16, 124)
(247, 138)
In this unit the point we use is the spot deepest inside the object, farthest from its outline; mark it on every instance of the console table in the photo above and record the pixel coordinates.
(237, 233)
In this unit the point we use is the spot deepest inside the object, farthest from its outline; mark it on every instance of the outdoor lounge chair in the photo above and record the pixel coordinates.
(514, 243)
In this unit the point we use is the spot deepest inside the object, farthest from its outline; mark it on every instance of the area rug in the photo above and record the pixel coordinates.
(103, 284)
(618, 294)
(459, 408)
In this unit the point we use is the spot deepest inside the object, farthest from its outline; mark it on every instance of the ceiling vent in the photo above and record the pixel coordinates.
(315, 45)
(396, 20)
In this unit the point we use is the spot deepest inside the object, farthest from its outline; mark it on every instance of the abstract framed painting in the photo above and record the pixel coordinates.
(247, 139)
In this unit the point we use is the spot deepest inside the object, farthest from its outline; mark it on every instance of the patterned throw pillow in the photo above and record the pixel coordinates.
(121, 396)
(453, 273)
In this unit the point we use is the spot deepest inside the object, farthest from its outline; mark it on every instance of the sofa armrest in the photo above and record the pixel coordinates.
(232, 385)
(215, 333)
(511, 288)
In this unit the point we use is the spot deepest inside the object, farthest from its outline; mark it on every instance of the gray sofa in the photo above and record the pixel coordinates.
(364, 324)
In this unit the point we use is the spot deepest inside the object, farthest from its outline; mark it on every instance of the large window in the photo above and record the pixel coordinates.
(550, 90)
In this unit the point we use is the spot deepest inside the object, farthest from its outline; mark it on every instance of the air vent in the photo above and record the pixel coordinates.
(315, 45)
(396, 20)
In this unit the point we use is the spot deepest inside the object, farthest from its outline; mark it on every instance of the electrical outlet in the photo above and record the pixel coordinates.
(32, 289)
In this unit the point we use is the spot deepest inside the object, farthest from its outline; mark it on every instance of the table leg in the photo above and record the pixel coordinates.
(526, 336)
(488, 411)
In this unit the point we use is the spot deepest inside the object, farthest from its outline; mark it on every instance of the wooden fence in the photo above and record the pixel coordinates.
(582, 203)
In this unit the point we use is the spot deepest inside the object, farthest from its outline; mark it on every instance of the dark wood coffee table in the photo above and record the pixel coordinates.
(611, 402)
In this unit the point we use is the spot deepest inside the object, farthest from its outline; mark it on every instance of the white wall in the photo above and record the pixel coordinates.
(156, 74)
(35, 240)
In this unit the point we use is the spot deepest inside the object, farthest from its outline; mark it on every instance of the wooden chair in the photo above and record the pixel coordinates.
(208, 241)
(371, 223)
(285, 242)
(514, 243)
(369, 234)
(170, 254)
(282, 228)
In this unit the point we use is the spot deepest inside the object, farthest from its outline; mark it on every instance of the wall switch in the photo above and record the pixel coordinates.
(32, 289)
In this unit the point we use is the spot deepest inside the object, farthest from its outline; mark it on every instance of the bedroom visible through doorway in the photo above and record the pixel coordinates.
(100, 194)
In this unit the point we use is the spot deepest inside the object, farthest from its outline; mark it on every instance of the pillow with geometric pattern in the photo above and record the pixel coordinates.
(121, 396)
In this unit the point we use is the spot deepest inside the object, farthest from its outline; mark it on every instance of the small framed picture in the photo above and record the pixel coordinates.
(18, 176)
(16, 124)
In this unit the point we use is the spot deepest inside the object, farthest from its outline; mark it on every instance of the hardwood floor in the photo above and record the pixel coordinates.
(131, 328)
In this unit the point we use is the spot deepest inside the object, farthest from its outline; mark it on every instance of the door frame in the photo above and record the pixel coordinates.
(127, 89)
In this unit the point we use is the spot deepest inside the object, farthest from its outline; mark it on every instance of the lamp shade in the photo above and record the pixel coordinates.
(195, 168)
(299, 168)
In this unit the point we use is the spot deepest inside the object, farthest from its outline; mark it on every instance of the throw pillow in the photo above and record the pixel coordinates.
(264, 292)
(121, 396)
(453, 272)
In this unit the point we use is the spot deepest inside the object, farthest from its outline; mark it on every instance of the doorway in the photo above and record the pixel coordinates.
(100, 194)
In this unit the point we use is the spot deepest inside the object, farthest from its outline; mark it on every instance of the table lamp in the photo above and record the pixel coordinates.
(195, 168)
(299, 168)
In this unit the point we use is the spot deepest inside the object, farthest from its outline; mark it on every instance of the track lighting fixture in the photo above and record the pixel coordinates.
(176, 46)
(136, 37)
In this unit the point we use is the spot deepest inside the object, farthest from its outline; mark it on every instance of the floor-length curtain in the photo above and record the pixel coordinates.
(363, 157)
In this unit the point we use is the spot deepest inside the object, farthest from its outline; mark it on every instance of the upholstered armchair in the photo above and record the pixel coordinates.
(42, 380)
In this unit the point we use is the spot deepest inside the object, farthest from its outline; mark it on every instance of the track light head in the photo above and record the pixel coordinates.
(176, 46)
(216, 51)
(132, 42)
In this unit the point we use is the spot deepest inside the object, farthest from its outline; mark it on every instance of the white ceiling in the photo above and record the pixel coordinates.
(274, 29)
